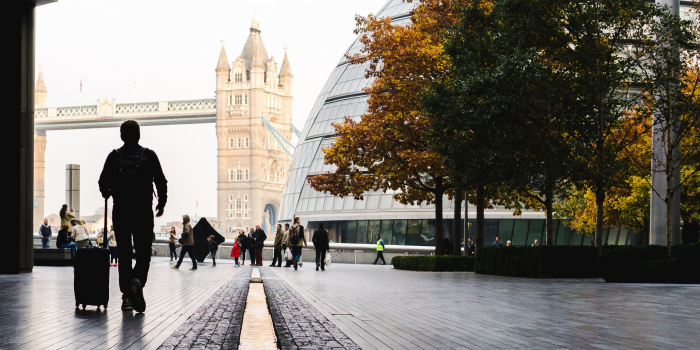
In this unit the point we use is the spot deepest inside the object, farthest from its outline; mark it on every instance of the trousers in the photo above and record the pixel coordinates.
(173, 250)
(133, 222)
(258, 256)
(189, 249)
(276, 257)
(45, 243)
(380, 255)
(321, 255)
(251, 254)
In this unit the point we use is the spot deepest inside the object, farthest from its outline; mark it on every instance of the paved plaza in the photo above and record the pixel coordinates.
(350, 306)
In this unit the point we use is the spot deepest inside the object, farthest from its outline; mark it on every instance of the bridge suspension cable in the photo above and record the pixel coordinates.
(287, 146)
(295, 130)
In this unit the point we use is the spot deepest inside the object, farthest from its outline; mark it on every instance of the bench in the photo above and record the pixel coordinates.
(52, 257)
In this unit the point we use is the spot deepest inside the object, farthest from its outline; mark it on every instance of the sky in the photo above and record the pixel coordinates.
(166, 50)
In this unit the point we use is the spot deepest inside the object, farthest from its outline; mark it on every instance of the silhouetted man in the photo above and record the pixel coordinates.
(260, 237)
(128, 176)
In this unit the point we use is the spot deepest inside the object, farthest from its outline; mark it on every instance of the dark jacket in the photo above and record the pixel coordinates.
(250, 240)
(260, 237)
(320, 239)
(62, 238)
(45, 231)
(242, 242)
(278, 239)
(471, 248)
(138, 193)
(213, 246)
(497, 244)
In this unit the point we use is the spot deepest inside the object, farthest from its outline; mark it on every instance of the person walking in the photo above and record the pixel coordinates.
(277, 247)
(296, 241)
(535, 243)
(285, 239)
(45, 234)
(320, 241)
(242, 245)
(128, 176)
(112, 241)
(497, 242)
(250, 246)
(63, 240)
(172, 242)
(187, 242)
(66, 218)
(260, 237)
(80, 234)
(235, 252)
(380, 251)
(471, 247)
(213, 248)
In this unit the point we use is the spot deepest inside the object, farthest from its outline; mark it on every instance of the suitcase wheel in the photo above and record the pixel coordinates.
(77, 305)
(105, 306)
(83, 306)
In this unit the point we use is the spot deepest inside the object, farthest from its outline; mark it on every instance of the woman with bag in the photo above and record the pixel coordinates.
(112, 239)
(66, 218)
(187, 241)
(171, 244)
(82, 239)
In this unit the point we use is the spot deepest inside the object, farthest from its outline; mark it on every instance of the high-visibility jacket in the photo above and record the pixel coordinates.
(380, 245)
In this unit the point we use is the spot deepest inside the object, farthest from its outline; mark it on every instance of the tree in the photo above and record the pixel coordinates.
(388, 148)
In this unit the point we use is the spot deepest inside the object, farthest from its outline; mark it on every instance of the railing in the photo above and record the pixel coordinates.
(191, 105)
(137, 108)
(76, 111)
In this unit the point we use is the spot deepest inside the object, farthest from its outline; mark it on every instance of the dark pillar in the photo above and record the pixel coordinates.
(18, 140)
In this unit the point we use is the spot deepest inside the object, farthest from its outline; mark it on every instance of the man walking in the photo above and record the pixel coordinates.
(45, 234)
(128, 176)
(187, 238)
(320, 241)
(380, 251)
(260, 237)
(285, 239)
(296, 240)
(277, 249)
(471, 247)
(251, 246)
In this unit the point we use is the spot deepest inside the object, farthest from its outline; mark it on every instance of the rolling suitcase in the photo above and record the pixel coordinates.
(91, 275)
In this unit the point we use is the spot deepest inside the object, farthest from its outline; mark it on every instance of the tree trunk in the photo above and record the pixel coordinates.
(599, 200)
(457, 227)
(479, 216)
(439, 247)
(550, 221)
(466, 220)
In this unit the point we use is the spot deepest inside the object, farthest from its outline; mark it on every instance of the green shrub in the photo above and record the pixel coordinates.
(651, 264)
(433, 263)
(538, 262)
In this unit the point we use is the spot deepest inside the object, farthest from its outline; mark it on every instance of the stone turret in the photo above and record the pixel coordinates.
(40, 90)
(257, 70)
(286, 76)
(223, 70)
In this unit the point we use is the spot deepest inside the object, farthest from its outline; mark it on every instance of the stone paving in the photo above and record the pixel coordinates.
(379, 307)
(217, 323)
(297, 323)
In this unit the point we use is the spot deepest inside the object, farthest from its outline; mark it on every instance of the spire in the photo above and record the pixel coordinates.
(223, 61)
(257, 60)
(255, 25)
(253, 45)
(40, 84)
(286, 68)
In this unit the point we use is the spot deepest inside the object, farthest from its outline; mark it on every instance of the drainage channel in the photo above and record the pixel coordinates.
(257, 331)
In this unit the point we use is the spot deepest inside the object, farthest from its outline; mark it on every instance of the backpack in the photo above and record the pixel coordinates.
(294, 238)
(132, 169)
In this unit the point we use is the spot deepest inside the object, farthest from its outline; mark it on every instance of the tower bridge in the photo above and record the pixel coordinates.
(252, 112)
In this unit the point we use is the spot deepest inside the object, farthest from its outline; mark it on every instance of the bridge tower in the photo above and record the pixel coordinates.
(251, 163)
(39, 150)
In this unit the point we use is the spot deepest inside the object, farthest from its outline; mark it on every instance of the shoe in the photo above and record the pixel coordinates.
(193, 269)
(236, 265)
(317, 266)
(322, 269)
(126, 304)
(301, 264)
(280, 265)
(213, 265)
(139, 302)
(287, 266)
(273, 265)
(383, 263)
(175, 267)
(171, 259)
(115, 265)
(242, 264)
(374, 263)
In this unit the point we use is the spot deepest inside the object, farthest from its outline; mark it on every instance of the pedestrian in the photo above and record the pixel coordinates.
(320, 241)
(64, 240)
(593, 243)
(235, 252)
(187, 242)
(213, 247)
(45, 234)
(80, 234)
(172, 242)
(242, 244)
(250, 240)
(380, 251)
(260, 237)
(296, 241)
(471, 247)
(689, 232)
(112, 239)
(277, 247)
(535, 244)
(508, 243)
(66, 217)
(128, 176)
(497, 242)
(285, 238)
(447, 246)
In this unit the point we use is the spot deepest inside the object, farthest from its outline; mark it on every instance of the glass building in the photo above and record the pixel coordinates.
(352, 221)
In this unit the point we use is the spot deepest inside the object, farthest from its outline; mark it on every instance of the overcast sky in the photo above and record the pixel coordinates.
(170, 48)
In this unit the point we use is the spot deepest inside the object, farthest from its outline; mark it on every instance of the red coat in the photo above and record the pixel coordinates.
(236, 251)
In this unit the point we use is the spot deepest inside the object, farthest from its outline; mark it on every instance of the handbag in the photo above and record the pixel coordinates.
(328, 259)
(287, 254)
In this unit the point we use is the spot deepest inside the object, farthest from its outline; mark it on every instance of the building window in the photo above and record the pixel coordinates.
(230, 198)
(245, 142)
(230, 100)
(238, 77)
(239, 204)
(239, 175)
(245, 198)
(239, 142)
(231, 174)
(264, 142)
(230, 142)
(245, 210)
(245, 99)
(245, 175)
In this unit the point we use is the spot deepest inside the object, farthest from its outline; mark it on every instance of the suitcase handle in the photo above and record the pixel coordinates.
(104, 234)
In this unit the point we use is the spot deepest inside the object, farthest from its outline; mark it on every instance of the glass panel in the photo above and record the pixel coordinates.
(331, 228)
(360, 205)
(328, 205)
(612, 237)
(399, 236)
(520, 232)
(505, 230)
(490, 232)
(563, 234)
(362, 231)
(386, 231)
(413, 232)
(372, 202)
(535, 231)
(428, 233)
(319, 204)
(587, 239)
(351, 232)
(349, 203)
(472, 229)
(577, 237)
(337, 203)
(342, 231)
(373, 231)
(385, 201)
(622, 240)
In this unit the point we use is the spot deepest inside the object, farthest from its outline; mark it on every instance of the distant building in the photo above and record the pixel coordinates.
(95, 223)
